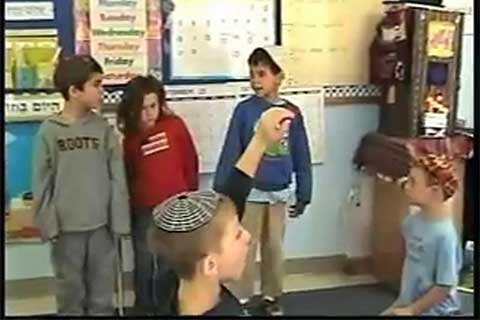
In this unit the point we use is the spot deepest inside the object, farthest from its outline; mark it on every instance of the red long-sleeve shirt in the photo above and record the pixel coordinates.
(160, 162)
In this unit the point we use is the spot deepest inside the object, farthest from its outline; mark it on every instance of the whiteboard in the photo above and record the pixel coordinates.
(208, 120)
(312, 108)
(213, 38)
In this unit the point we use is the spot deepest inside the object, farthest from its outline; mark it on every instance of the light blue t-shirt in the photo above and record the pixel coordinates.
(433, 257)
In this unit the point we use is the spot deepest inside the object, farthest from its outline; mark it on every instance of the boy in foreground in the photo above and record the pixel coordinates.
(200, 232)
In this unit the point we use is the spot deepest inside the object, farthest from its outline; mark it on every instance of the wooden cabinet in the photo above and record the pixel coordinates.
(420, 101)
(436, 54)
(424, 97)
(389, 207)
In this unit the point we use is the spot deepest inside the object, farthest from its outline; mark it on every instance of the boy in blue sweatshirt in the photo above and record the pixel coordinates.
(264, 216)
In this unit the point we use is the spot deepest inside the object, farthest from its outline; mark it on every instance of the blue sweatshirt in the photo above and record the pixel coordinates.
(275, 171)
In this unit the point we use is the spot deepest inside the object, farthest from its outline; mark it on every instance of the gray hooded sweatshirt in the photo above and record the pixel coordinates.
(79, 179)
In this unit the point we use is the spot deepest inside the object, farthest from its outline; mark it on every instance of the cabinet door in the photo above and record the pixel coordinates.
(389, 208)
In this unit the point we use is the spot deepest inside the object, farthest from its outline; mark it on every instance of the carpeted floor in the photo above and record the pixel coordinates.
(350, 301)
(357, 300)
(360, 300)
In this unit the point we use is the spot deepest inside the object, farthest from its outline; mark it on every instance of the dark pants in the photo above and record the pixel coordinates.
(149, 269)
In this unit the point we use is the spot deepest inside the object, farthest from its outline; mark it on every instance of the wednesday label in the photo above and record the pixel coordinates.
(118, 40)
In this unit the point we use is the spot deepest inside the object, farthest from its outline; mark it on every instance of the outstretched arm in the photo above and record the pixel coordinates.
(272, 125)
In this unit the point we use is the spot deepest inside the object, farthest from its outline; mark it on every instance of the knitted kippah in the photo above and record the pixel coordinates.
(186, 212)
(441, 168)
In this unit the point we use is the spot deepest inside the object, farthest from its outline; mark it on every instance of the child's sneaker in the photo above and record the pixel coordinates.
(272, 307)
(247, 307)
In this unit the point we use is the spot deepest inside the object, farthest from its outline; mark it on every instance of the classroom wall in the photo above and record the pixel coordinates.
(465, 94)
(319, 233)
(330, 226)
(19, 156)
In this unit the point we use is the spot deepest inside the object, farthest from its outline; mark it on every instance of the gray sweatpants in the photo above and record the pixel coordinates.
(84, 267)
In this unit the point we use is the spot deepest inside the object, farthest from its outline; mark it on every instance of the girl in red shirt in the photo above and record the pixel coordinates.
(161, 161)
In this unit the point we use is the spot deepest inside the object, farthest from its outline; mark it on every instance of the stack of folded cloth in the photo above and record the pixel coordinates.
(390, 158)
(458, 146)
(387, 157)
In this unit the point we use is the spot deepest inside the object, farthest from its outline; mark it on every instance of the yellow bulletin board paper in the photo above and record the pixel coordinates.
(29, 58)
(327, 41)
(440, 39)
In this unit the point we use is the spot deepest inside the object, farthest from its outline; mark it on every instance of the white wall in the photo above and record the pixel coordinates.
(465, 94)
(320, 232)
(358, 218)
(330, 226)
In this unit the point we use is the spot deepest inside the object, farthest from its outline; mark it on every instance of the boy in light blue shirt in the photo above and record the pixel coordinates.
(433, 254)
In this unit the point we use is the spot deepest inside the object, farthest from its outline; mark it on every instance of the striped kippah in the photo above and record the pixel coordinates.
(441, 168)
(186, 212)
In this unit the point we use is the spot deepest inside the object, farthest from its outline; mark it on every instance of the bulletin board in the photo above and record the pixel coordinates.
(313, 35)
(305, 33)
(34, 31)
(303, 30)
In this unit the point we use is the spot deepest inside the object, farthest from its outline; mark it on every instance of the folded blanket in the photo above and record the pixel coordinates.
(390, 158)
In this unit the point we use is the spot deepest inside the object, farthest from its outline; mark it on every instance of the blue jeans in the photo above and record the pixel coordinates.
(148, 268)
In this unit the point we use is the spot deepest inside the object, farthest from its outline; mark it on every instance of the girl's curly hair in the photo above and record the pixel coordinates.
(130, 108)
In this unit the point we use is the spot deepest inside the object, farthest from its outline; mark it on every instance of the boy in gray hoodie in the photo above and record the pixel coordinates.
(80, 191)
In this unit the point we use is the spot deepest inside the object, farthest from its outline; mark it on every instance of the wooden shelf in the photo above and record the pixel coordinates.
(27, 118)
(30, 91)
(440, 60)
